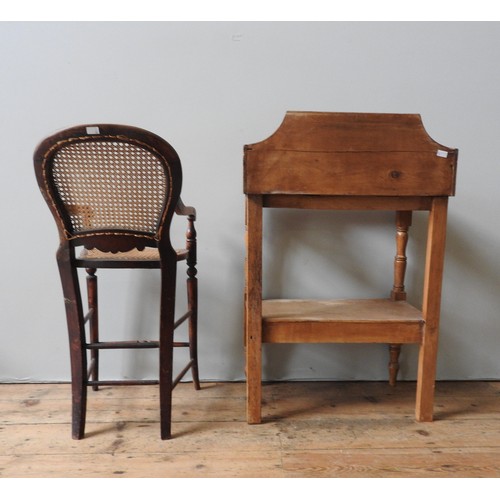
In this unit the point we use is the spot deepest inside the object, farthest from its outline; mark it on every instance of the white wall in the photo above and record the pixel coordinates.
(210, 88)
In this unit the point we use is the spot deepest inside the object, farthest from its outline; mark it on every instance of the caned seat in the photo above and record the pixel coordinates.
(113, 191)
(349, 161)
(148, 255)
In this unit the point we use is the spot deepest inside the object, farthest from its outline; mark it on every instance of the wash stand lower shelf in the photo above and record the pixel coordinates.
(356, 321)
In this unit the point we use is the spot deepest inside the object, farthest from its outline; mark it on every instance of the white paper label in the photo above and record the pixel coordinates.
(442, 154)
(93, 130)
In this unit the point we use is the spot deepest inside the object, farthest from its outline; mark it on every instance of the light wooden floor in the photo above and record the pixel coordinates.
(312, 429)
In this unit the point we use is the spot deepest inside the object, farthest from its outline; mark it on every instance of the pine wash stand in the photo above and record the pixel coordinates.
(349, 161)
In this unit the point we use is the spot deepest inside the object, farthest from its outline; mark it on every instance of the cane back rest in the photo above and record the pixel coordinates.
(109, 181)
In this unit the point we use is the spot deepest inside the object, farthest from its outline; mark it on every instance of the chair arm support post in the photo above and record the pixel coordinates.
(191, 247)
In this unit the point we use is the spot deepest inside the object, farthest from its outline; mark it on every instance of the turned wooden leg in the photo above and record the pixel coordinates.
(192, 291)
(394, 352)
(403, 222)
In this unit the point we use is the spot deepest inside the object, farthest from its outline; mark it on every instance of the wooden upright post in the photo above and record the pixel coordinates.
(436, 238)
(253, 307)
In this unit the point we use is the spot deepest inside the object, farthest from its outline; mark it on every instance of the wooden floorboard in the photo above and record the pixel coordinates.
(310, 429)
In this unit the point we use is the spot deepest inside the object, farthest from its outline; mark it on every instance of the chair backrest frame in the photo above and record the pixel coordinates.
(109, 238)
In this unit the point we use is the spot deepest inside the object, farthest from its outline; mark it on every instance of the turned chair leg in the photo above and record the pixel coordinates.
(192, 284)
(192, 293)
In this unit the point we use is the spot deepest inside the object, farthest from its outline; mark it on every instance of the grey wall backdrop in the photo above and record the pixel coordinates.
(209, 88)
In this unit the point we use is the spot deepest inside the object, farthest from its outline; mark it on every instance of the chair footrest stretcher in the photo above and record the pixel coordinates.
(131, 344)
(121, 382)
(140, 382)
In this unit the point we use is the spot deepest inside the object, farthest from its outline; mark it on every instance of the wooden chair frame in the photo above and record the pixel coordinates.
(119, 247)
(349, 161)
